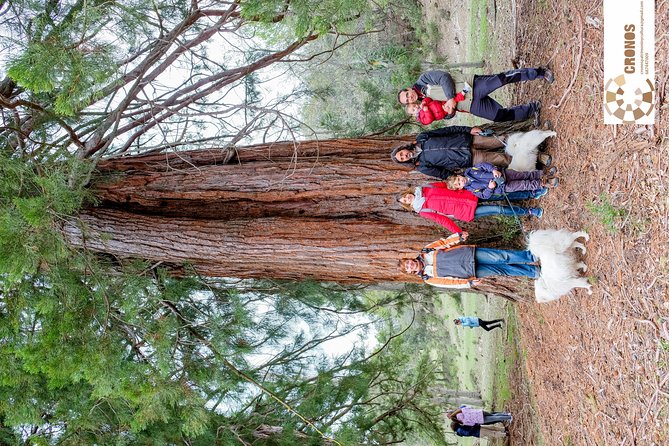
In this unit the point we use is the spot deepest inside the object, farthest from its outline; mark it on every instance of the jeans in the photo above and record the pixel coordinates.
(513, 196)
(503, 262)
(486, 210)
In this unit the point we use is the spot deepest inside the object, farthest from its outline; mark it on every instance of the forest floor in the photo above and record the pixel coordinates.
(596, 369)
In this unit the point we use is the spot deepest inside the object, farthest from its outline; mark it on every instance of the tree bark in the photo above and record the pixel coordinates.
(322, 210)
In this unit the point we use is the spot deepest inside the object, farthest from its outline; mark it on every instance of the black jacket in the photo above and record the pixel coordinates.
(444, 150)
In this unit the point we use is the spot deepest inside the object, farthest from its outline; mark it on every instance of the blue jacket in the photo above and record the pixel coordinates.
(478, 178)
(469, 321)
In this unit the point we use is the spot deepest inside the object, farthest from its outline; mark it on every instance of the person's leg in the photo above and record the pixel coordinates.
(515, 175)
(518, 195)
(517, 270)
(485, 324)
(486, 210)
(519, 185)
(487, 142)
(500, 159)
(488, 108)
(492, 327)
(492, 256)
(498, 262)
(484, 85)
(496, 417)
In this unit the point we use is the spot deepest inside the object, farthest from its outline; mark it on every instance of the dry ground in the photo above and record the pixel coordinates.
(598, 366)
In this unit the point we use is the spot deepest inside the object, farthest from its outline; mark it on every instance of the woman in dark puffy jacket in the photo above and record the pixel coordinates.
(438, 153)
(442, 205)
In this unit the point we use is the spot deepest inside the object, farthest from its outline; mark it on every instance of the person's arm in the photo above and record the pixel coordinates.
(438, 111)
(448, 282)
(484, 193)
(447, 242)
(444, 131)
(441, 78)
(486, 167)
(442, 220)
(425, 117)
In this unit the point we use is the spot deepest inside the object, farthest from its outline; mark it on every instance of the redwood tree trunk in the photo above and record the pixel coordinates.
(323, 210)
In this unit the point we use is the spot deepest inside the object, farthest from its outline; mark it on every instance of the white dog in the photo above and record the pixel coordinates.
(559, 264)
(524, 148)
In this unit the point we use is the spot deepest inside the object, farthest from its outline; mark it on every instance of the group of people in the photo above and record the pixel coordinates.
(475, 169)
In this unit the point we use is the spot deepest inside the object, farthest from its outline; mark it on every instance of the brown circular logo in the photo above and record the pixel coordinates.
(629, 100)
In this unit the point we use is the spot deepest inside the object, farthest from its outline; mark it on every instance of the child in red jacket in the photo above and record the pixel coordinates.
(430, 110)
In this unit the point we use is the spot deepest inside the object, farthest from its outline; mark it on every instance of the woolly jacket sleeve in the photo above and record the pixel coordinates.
(438, 77)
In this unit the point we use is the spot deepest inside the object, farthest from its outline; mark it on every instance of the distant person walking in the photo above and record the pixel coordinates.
(441, 86)
(473, 322)
(469, 416)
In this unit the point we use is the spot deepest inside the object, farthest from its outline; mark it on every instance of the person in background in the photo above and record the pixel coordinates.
(470, 416)
(473, 322)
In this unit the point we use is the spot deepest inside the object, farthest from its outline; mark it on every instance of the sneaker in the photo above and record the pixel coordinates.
(551, 172)
(540, 193)
(548, 75)
(536, 212)
(545, 159)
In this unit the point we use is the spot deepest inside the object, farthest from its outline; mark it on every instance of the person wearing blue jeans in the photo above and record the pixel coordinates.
(443, 264)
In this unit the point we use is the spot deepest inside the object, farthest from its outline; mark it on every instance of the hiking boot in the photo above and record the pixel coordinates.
(536, 113)
(545, 159)
(536, 212)
(552, 182)
(547, 75)
(551, 172)
(540, 193)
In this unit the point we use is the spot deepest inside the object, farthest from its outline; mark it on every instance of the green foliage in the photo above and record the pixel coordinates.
(609, 215)
(32, 204)
(362, 78)
(306, 17)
